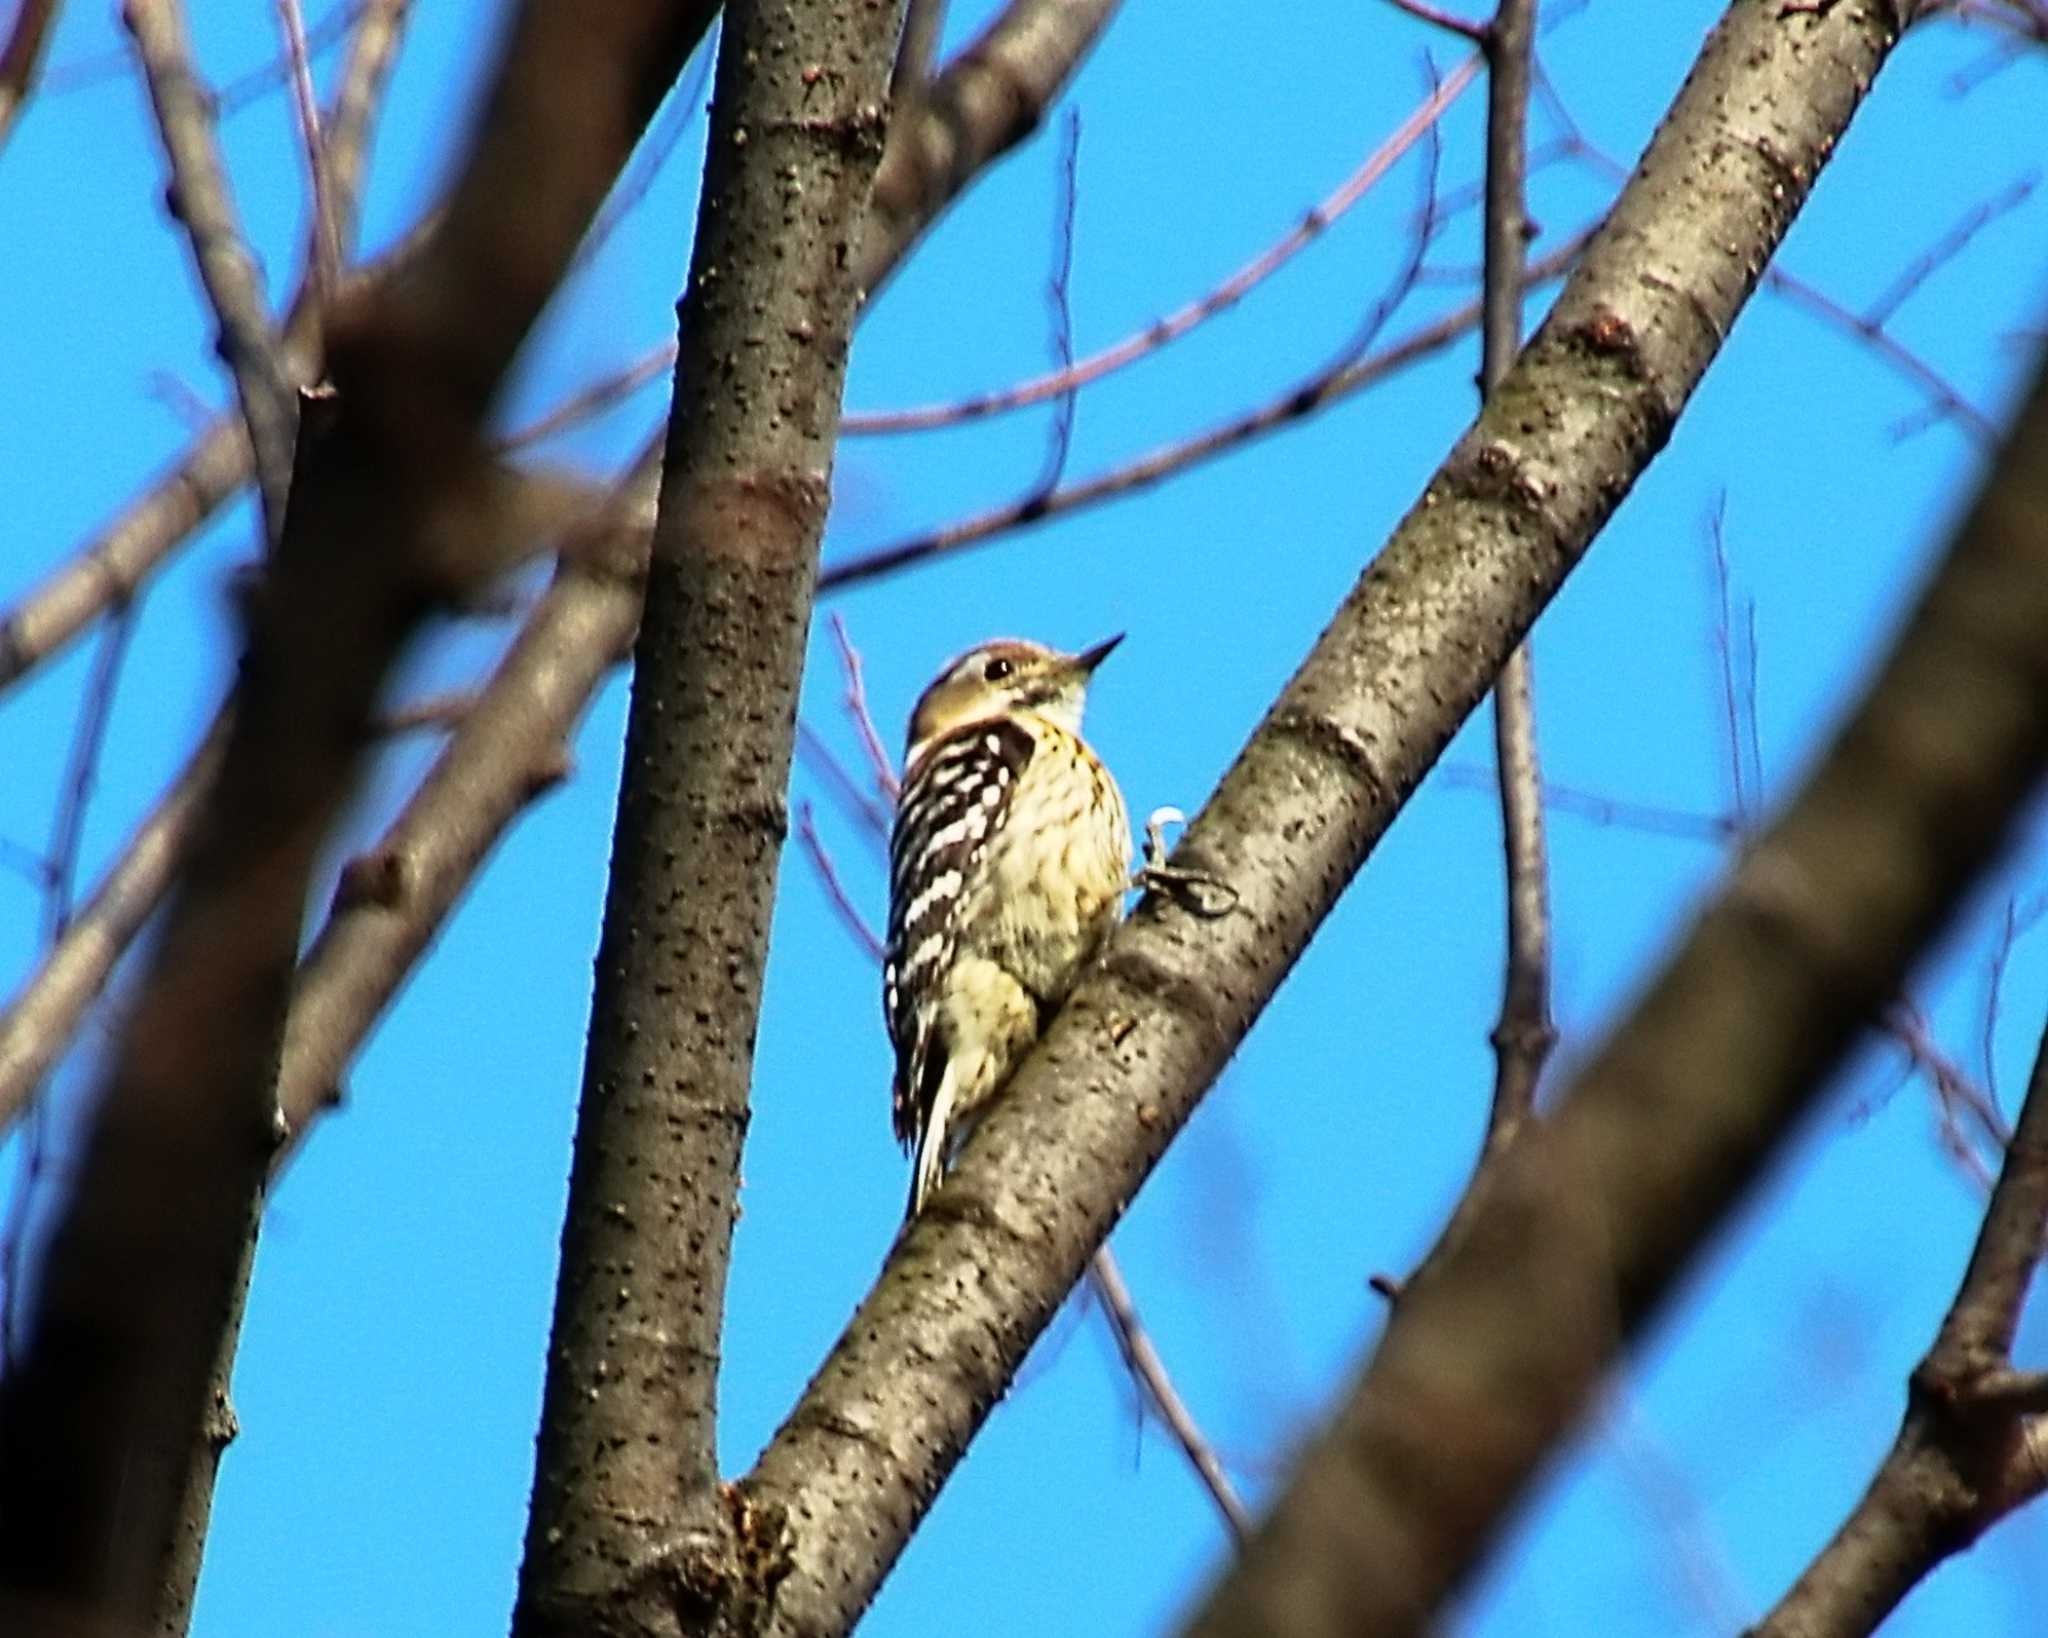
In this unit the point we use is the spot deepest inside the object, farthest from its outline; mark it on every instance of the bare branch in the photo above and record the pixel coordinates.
(880, 764)
(1437, 17)
(1142, 1359)
(511, 747)
(1969, 1449)
(1184, 319)
(113, 564)
(626, 1509)
(1596, 1210)
(594, 399)
(985, 101)
(1296, 404)
(850, 916)
(1943, 398)
(325, 259)
(1524, 1034)
(394, 507)
(21, 58)
(200, 199)
(41, 1020)
(1408, 655)
(1949, 246)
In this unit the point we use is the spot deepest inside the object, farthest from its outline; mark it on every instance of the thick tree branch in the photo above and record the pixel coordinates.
(394, 505)
(1499, 1341)
(627, 1460)
(1408, 656)
(507, 747)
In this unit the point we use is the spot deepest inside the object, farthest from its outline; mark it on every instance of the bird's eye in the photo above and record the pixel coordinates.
(996, 670)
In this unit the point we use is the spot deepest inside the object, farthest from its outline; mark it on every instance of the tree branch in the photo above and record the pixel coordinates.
(21, 59)
(627, 1461)
(1501, 1337)
(1409, 654)
(1524, 1035)
(200, 199)
(1297, 403)
(112, 565)
(1971, 1447)
(394, 506)
(986, 101)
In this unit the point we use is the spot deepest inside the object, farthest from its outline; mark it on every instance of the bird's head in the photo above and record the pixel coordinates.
(1008, 674)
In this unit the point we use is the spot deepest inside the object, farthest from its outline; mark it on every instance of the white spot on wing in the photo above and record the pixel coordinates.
(942, 887)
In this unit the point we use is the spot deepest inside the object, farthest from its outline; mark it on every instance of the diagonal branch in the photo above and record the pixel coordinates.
(200, 199)
(115, 562)
(1499, 1342)
(21, 59)
(1408, 655)
(394, 507)
(1971, 1448)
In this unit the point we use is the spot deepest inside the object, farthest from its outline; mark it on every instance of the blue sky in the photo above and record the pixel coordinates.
(390, 1370)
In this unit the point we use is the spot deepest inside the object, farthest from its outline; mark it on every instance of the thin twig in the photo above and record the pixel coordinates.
(326, 235)
(1945, 401)
(835, 889)
(1954, 1090)
(1059, 304)
(1949, 246)
(45, 1013)
(116, 560)
(1524, 1033)
(1142, 1360)
(1299, 402)
(1178, 323)
(68, 830)
(887, 781)
(1647, 818)
(863, 808)
(685, 103)
(588, 402)
(200, 200)
(247, 89)
(1745, 794)
(1437, 17)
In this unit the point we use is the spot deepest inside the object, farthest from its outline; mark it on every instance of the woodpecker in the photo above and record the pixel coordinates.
(1008, 865)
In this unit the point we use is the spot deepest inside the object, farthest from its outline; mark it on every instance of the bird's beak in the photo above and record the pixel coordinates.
(1089, 658)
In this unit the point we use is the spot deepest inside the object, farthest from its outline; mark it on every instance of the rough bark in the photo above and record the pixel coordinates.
(394, 506)
(1408, 655)
(625, 1535)
(1498, 1342)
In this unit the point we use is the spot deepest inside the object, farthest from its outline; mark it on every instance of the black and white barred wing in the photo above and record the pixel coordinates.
(951, 807)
